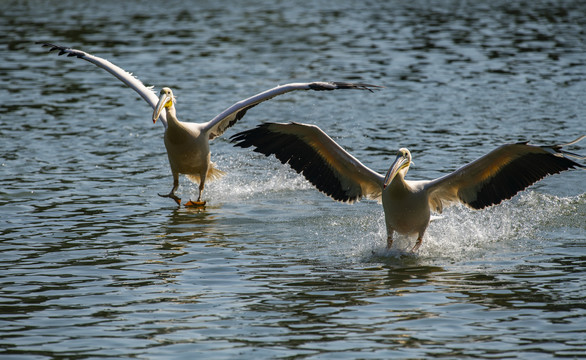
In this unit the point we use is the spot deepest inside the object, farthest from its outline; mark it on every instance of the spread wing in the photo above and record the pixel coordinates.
(127, 78)
(231, 115)
(500, 174)
(312, 153)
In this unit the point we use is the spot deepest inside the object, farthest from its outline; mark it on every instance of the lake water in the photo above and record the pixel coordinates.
(93, 264)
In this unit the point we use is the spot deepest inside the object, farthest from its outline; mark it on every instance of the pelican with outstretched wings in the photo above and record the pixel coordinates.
(187, 143)
(407, 204)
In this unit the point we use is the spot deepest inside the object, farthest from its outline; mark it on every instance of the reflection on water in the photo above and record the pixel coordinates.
(95, 264)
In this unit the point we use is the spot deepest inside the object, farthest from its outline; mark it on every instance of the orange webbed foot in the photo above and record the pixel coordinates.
(194, 203)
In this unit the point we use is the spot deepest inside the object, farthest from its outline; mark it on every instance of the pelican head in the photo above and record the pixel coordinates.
(400, 166)
(166, 100)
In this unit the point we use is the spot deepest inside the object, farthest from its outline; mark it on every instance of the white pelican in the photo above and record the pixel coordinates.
(187, 144)
(407, 204)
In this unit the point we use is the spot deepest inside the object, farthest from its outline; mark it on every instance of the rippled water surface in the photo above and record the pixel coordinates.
(93, 264)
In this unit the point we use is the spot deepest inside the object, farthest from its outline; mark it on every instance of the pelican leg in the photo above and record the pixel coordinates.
(389, 239)
(198, 202)
(417, 243)
(201, 186)
(172, 193)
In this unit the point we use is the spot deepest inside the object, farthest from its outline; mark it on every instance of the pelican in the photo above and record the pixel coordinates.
(407, 204)
(187, 143)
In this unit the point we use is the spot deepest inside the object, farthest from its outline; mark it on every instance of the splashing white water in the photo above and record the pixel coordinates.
(248, 179)
(461, 234)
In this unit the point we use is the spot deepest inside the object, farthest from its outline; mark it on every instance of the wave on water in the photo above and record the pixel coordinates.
(460, 233)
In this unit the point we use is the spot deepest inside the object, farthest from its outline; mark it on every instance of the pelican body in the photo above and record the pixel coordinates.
(187, 143)
(188, 148)
(407, 204)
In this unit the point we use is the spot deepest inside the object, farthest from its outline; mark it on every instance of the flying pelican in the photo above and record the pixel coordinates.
(407, 204)
(187, 144)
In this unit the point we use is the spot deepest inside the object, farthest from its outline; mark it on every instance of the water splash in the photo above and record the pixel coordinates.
(248, 179)
(462, 234)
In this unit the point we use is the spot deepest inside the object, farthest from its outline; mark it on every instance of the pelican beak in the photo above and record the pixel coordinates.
(400, 162)
(166, 100)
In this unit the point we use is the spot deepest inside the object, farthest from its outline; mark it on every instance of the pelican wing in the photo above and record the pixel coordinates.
(127, 78)
(311, 152)
(499, 175)
(231, 115)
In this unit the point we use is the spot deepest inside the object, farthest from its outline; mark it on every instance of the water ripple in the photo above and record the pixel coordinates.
(95, 264)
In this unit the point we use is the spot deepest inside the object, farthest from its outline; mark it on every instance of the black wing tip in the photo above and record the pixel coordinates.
(357, 86)
(52, 46)
(336, 85)
(62, 49)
